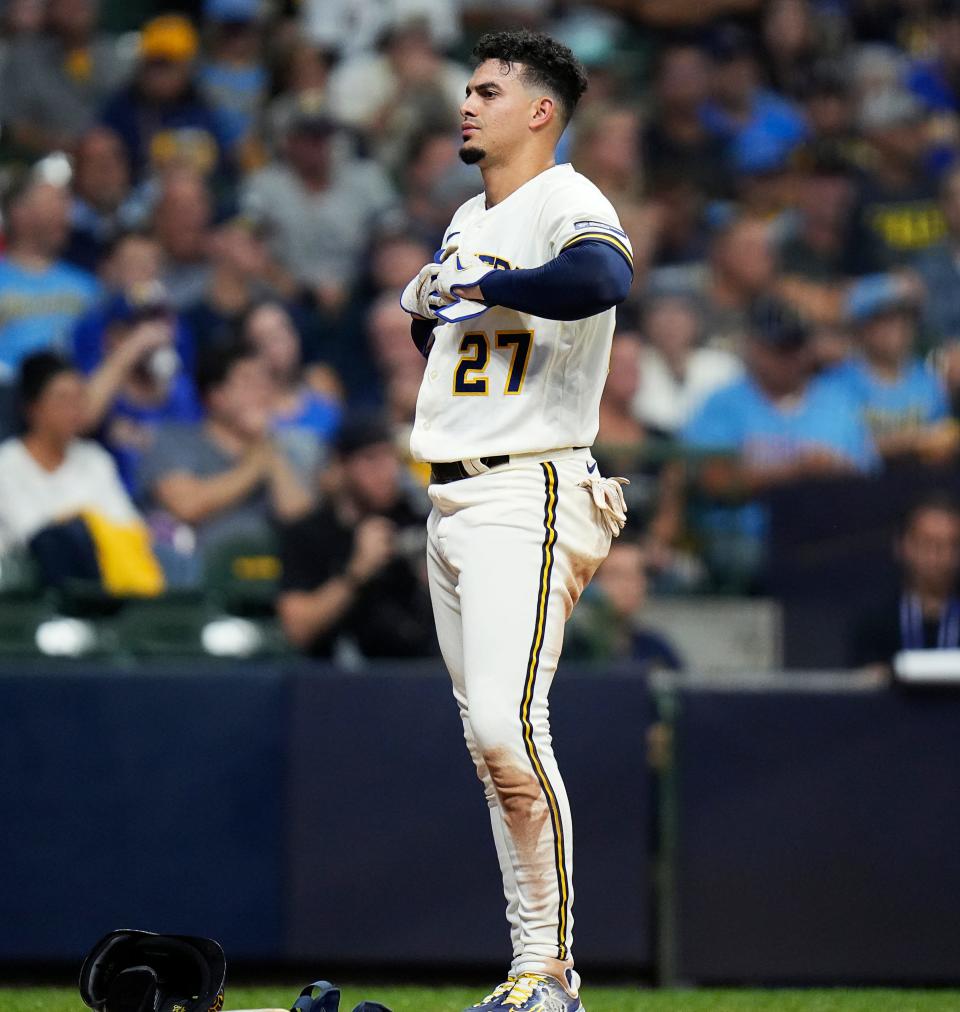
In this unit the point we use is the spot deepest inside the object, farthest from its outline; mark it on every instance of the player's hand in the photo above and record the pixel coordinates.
(374, 545)
(458, 286)
(460, 271)
(417, 296)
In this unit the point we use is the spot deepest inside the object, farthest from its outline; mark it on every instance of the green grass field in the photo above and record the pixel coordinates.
(597, 999)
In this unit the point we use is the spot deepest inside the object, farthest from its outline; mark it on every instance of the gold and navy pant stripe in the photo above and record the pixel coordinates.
(536, 647)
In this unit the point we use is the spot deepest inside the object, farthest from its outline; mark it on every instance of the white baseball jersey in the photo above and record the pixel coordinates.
(509, 382)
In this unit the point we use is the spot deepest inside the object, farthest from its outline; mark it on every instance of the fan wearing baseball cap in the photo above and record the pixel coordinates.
(897, 215)
(161, 116)
(353, 582)
(774, 426)
(901, 397)
(233, 77)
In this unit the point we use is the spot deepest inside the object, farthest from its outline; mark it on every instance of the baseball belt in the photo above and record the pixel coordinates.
(455, 470)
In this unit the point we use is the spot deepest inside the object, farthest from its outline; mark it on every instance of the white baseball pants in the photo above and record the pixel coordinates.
(509, 553)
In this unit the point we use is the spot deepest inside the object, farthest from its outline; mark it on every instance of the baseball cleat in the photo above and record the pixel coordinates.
(537, 992)
(492, 1001)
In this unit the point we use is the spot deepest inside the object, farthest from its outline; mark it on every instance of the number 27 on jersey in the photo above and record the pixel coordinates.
(470, 379)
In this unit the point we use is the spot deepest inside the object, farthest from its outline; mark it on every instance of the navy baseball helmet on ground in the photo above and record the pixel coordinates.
(139, 971)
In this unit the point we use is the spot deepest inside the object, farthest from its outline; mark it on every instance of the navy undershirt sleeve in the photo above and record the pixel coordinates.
(582, 281)
(422, 333)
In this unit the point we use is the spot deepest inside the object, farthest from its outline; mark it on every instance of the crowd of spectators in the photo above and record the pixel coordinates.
(208, 213)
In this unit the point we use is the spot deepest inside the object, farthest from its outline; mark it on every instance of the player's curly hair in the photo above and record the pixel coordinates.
(546, 63)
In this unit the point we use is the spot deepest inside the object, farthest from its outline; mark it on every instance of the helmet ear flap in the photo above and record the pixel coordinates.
(133, 990)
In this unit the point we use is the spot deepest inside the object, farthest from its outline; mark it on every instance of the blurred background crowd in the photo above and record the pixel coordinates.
(208, 212)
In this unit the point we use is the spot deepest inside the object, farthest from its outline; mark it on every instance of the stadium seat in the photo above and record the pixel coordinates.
(242, 575)
(19, 619)
(187, 625)
(167, 626)
(87, 599)
(19, 577)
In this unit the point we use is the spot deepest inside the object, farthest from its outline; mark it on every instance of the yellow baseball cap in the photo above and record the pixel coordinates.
(169, 37)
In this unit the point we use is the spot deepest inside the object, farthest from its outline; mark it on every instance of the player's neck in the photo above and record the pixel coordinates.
(499, 181)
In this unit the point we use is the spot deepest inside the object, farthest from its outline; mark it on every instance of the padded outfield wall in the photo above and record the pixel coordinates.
(795, 830)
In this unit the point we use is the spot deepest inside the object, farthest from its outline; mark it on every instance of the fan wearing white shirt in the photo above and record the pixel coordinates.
(49, 474)
(676, 374)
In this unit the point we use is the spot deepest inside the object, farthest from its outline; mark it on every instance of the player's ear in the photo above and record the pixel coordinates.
(543, 112)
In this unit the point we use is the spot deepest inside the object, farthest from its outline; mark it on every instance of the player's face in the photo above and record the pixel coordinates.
(496, 112)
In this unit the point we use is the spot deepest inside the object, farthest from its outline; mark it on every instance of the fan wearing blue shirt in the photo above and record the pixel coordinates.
(40, 296)
(774, 426)
(900, 398)
(934, 79)
(233, 79)
(739, 104)
(140, 379)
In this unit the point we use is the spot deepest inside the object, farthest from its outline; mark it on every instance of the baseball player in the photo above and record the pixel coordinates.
(516, 319)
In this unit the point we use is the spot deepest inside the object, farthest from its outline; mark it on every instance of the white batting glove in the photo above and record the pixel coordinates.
(608, 498)
(457, 312)
(445, 252)
(458, 271)
(416, 297)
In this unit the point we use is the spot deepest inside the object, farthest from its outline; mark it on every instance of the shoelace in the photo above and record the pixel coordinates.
(498, 992)
(523, 989)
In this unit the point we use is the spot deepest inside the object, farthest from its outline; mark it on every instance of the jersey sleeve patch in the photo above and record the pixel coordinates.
(598, 226)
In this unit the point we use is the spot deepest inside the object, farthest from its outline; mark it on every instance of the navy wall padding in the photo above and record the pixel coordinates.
(140, 800)
(299, 814)
(819, 837)
(399, 865)
(305, 813)
(600, 730)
